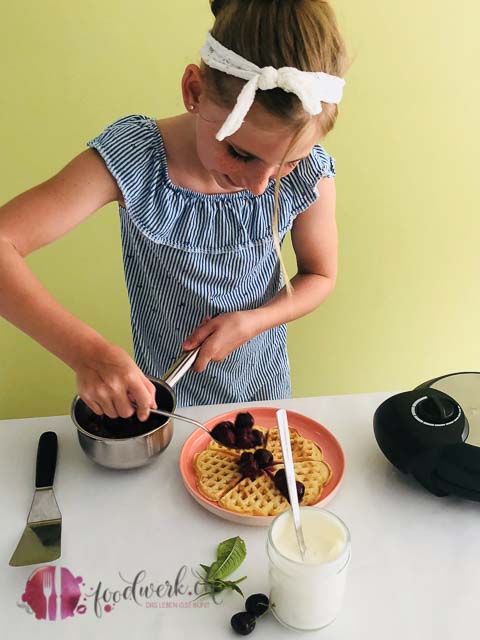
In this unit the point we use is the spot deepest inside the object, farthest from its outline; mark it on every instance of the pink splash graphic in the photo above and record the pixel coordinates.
(42, 597)
(107, 608)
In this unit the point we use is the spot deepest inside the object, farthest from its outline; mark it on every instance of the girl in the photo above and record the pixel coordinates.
(196, 194)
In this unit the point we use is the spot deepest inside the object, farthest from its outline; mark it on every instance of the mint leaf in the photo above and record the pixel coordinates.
(230, 555)
(236, 588)
(233, 585)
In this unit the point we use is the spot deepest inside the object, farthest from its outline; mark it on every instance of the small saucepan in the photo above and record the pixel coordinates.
(127, 443)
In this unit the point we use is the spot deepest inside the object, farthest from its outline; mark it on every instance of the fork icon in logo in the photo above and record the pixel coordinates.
(55, 583)
(47, 591)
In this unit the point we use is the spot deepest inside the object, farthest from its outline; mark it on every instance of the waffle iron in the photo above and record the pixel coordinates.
(433, 433)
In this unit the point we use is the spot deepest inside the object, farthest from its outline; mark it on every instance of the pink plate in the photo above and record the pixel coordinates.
(265, 417)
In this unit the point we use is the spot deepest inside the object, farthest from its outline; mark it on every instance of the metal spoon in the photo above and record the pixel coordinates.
(162, 412)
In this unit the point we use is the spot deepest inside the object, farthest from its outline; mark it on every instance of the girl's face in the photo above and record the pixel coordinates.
(251, 157)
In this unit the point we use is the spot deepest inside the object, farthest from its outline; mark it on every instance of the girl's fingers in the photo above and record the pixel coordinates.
(94, 406)
(108, 408)
(198, 336)
(205, 355)
(201, 364)
(152, 390)
(141, 396)
(122, 405)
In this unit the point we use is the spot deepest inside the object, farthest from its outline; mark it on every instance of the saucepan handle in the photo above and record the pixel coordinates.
(180, 367)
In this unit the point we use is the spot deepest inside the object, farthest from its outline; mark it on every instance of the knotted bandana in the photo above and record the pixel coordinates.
(312, 88)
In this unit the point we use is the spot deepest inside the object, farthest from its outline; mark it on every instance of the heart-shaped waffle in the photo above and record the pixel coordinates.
(313, 474)
(219, 478)
(302, 449)
(216, 473)
(259, 497)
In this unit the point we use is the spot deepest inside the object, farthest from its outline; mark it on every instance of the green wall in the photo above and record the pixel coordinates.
(406, 306)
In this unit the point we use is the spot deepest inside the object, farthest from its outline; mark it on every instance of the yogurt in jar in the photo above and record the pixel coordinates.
(307, 594)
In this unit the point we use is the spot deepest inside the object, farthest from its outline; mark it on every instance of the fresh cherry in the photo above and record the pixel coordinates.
(257, 604)
(243, 623)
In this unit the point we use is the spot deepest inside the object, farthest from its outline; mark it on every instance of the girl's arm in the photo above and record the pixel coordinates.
(314, 239)
(105, 373)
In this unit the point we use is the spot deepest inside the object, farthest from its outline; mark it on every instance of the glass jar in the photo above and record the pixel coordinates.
(306, 595)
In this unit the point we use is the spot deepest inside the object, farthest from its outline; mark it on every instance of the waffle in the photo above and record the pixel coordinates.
(302, 449)
(216, 473)
(258, 497)
(219, 478)
(314, 474)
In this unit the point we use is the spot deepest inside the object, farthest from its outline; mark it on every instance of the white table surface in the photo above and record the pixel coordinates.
(414, 573)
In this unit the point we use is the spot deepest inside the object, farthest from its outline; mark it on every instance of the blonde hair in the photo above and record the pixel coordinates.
(278, 33)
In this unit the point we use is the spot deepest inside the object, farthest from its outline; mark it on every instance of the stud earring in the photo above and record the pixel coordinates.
(191, 107)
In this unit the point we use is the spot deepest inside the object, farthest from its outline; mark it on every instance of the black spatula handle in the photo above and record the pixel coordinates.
(46, 459)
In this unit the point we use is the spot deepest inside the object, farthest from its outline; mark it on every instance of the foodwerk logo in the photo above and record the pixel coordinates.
(55, 593)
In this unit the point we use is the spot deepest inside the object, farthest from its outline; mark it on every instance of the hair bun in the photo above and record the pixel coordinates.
(216, 6)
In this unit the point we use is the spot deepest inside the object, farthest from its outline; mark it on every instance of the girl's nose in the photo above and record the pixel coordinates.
(258, 181)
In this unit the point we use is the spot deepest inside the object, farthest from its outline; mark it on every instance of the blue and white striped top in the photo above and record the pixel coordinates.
(188, 255)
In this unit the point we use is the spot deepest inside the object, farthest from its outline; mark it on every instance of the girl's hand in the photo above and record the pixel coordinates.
(220, 336)
(110, 381)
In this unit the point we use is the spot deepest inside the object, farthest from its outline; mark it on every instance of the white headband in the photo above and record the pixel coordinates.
(311, 87)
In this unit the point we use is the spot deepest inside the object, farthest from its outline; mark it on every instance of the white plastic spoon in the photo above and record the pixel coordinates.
(290, 473)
